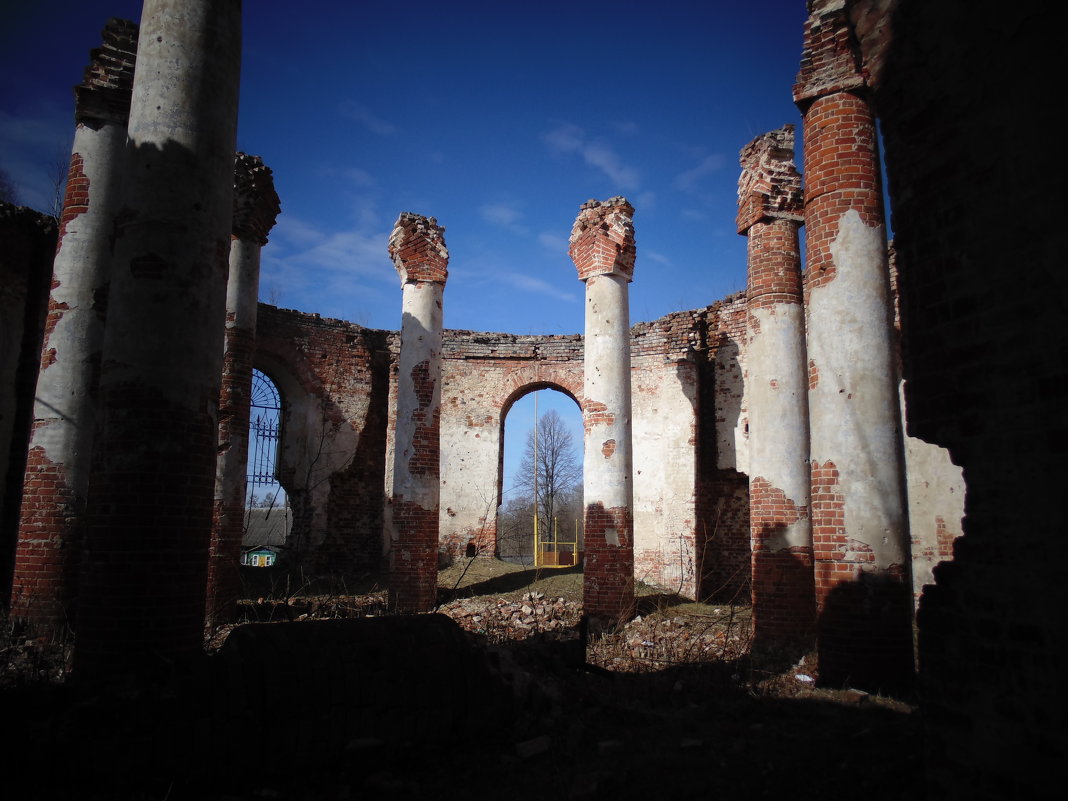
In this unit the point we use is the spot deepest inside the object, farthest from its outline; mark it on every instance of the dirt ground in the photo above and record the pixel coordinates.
(672, 705)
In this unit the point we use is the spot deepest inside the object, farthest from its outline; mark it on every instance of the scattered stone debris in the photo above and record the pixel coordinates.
(499, 619)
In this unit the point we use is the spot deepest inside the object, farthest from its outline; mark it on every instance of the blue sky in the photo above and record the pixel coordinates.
(498, 118)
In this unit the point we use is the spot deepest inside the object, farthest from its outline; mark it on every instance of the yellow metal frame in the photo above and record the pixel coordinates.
(548, 554)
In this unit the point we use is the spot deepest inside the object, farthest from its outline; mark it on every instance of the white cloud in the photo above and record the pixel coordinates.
(345, 274)
(689, 180)
(367, 118)
(503, 215)
(358, 177)
(295, 231)
(568, 138)
(538, 286)
(359, 251)
(657, 257)
(553, 241)
(565, 138)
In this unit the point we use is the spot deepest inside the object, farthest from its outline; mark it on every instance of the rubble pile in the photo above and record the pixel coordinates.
(501, 619)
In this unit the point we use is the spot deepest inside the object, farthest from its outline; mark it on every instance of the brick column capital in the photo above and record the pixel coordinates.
(417, 247)
(602, 239)
(770, 185)
(105, 91)
(830, 61)
(256, 205)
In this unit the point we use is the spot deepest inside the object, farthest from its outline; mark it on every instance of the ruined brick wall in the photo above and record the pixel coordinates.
(334, 380)
(986, 371)
(722, 505)
(27, 246)
(483, 375)
(935, 485)
(664, 381)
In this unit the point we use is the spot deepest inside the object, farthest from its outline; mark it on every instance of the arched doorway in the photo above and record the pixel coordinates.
(540, 517)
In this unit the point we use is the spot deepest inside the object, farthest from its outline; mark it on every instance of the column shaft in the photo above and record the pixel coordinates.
(52, 521)
(242, 292)
(418, 250)
(602, 247)
(151, 495)
(608, 487)
(770, 213)
(859, 511)
(255, 209)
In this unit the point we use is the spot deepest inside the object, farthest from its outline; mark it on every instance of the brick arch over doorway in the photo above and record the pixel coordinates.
(688, 425)
(483, 375)
(334, 379)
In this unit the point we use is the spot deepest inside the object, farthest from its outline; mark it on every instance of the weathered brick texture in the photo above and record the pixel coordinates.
(104, 93)
(602, 247)
(27, 245)
(602, 240)
(55, 488)
(483, 375)
(770, 209)
(255, 208)
(334, 378)
(983, 324)
(851, 344)
(417, 247)
(152, 486)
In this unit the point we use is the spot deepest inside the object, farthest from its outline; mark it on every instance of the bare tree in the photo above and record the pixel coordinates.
(559, 469)
(57, 176)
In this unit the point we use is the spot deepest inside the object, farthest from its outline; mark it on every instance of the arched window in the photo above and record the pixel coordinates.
(264, 437)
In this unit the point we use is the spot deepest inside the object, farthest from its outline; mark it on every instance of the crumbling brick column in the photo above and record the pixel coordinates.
(153, 483)
(417, 247)
(52, 519)
(602, 247)
(770, 211)
(859, 513)
(27, 249)
(255, 209)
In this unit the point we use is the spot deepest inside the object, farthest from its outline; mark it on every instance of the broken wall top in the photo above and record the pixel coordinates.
(105, 91)
(770, 185)
(829, 58)
(417, 248)
(256, 205)
(602, 239)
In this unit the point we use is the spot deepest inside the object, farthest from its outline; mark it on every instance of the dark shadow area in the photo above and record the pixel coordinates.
(410, 708)
(28, 245)
(987, 378)
(864, 635)
(784, 603)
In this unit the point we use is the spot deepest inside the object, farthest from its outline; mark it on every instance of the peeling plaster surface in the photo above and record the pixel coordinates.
(81, 267)
(470, 455)
(855, 417)
(421, 344)
(607, 381)
(242, 290)
(665, 471)
(936, 506)
(732, 441)
(777, 398)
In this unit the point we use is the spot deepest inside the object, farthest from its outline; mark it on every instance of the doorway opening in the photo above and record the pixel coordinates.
(540, 520)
